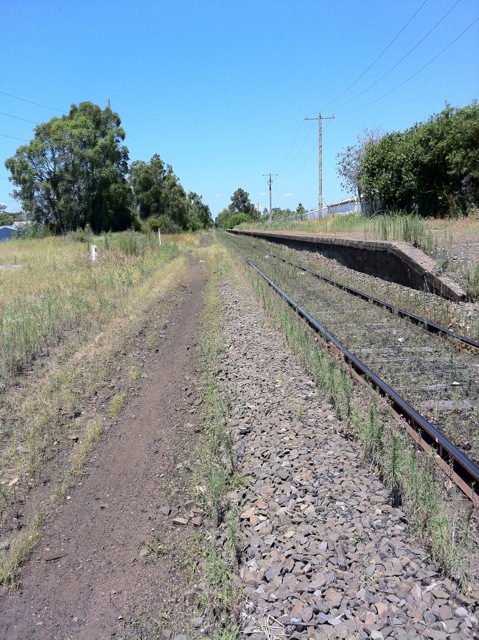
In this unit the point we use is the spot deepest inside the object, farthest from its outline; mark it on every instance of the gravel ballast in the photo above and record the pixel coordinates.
(324, 554)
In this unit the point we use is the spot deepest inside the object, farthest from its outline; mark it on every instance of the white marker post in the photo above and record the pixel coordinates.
(159, 237)
(93, 252)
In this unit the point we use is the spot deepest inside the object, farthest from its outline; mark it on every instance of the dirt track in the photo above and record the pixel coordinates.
(90, 577)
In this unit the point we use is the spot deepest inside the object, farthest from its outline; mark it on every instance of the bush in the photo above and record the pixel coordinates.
(234, 220)
(430, 169)
(161, 223)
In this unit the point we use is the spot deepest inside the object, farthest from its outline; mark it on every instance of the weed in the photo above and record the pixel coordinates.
(222, 595)
(373, 435)
(20, 550)
(369, 575)
(393, 466)
(471, 282)
(231, 632)
(91, 437)
(162, 616)
(134, 373)
(116, 404)
(155, 549)
(233, 533)
(151, 341)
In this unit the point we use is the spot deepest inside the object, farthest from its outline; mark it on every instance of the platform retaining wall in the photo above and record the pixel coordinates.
(397, 262)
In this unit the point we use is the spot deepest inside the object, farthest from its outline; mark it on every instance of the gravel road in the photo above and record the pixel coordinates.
(324, 553)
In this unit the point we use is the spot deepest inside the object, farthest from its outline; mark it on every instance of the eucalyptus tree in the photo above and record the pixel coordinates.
(241, 203)
(73, 172)
(159, 196)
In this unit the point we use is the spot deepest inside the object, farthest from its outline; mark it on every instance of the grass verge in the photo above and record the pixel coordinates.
(215, 475)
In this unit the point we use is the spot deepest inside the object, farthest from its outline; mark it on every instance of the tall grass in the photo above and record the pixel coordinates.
(409, 228)
(58, 289)
(387, 227)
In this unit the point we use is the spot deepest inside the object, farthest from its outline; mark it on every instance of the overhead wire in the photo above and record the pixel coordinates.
(292, 145)
(13, 137)
(403, 58)
(299, 150)
(414, 74)
(18, 118)
(376, 59)
(3, 93)
(290, 175)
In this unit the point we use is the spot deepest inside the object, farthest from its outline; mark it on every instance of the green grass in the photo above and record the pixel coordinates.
(215, 474)
(470, 279)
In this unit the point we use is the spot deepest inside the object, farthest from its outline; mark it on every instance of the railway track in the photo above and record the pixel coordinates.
(423, 369)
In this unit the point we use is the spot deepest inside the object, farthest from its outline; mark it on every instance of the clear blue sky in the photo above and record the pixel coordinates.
(220, 88)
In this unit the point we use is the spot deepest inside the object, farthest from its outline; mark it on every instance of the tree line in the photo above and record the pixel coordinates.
(75, 174)
(241, 209)
(431, 169)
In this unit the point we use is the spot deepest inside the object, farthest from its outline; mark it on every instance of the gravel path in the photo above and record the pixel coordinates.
(324, 554)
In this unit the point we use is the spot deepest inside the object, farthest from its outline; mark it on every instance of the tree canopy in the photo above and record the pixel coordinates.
(160, 198)
(349, 160)
(73, 172)
(240, 210)
(430, 169)
(240, 203)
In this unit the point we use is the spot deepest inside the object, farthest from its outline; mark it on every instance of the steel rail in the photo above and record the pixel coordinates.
(432, 327)
(462, 470)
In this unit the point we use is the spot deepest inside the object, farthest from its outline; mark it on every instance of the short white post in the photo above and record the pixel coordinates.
(93, 252)
(159, 237)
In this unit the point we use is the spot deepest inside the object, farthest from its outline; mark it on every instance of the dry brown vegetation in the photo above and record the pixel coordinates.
(65, 321)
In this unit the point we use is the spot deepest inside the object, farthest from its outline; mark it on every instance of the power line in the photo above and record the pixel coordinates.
(30, 102)
(416, 73)
(290, 175)
(299, 151)
(14, 138)
(17, 118)
(403, 58)
(292, 145)
(379, 56)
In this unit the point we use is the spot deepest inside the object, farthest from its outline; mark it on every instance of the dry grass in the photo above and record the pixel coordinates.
(46, 394)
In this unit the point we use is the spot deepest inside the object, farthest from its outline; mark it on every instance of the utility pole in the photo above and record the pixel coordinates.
(320, 119)
(270, 182)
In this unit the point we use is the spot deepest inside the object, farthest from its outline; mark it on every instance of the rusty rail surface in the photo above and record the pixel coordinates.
(455, 464)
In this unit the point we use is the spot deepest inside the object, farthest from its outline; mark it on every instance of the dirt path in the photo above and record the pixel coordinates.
(92, 576)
